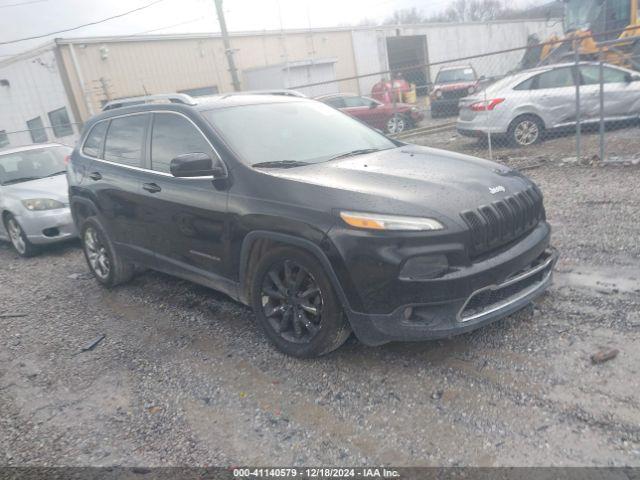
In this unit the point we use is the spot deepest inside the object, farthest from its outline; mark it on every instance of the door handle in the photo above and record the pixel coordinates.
(151, 187)
(95, 176)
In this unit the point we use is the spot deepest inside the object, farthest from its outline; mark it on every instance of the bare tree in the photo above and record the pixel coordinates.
(406, 16)
(474, 11)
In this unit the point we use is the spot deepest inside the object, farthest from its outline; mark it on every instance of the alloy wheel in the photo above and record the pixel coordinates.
(15, 234)
(526, 132)
(96, 253)
(396, 124)
(292, 302)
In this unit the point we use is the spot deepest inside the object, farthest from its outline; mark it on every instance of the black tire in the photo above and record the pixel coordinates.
(525, 130)
(316, 333)
(18, 238)
(108, 268)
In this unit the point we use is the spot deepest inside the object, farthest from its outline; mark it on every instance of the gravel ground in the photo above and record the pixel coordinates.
(183, 377)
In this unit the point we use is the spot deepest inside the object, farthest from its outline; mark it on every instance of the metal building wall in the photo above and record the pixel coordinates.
(34, 89)
(120, 67)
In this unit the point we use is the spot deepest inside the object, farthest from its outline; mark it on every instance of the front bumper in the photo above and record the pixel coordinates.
(382, 307)
(483, 306)
(48, 226)
(449, 105)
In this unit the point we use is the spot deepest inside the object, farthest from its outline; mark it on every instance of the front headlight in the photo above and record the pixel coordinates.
(42, 204)
(438, 93)
(372, 221)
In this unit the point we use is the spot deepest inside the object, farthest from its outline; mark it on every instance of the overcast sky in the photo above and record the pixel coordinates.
(24, 18)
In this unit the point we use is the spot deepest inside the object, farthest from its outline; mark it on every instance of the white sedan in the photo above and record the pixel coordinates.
(34, 198)
(525, 105)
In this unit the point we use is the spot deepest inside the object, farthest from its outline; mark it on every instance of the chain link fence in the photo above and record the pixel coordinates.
(65, 134)
(579, 104)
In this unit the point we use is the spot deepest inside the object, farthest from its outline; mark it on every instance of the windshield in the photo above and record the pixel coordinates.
(579, 14)
(304, 131)
(457, 75)
(28, 165)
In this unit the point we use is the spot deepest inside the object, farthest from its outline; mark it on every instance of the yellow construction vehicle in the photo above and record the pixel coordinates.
(610, 28)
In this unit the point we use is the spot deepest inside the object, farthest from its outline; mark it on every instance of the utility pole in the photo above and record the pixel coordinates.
(227, 46)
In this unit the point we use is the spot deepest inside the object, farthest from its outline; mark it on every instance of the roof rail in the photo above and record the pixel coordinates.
(277, 91)
(160, 98)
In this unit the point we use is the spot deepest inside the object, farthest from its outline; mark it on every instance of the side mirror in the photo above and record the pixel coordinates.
(197, 165)
(373, 105)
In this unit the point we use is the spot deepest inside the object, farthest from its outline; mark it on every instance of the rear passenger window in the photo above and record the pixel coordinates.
(125, 140)
(93, 144)
(174, 135)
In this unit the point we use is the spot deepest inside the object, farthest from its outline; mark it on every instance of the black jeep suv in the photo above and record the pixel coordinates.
(321, 224)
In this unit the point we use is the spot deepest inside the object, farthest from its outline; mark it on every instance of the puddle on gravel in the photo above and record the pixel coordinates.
(604, 279)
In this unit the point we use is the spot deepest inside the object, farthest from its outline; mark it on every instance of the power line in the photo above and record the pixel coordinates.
(82, 26)
(22, 3)
(171, 26)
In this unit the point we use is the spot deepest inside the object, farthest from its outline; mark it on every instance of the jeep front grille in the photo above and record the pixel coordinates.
(499, 223)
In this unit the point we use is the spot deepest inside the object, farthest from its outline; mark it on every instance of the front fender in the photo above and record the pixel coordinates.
(307, 245)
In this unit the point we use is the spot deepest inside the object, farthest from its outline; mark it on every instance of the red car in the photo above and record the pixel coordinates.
(378, 115)
(452, 84)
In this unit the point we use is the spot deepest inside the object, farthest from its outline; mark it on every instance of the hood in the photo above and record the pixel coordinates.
(411, 180)
(55, 187)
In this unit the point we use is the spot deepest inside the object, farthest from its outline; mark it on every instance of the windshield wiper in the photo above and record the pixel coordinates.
(353, 153)
(56, 173)
(280, 164)
(20, 179)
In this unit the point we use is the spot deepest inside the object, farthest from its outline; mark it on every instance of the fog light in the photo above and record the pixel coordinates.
(424, 267)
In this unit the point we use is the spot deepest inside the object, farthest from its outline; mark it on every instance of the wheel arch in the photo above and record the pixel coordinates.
(81, 209)
(528, 113)
(258, 241)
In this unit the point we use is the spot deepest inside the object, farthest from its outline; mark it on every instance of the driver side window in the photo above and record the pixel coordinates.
(174, 135)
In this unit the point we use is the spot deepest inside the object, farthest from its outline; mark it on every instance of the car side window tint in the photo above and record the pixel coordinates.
(526, 85)
(354, 102)
(174, 135)
(613, 75)
(125, 140)
(557, 78)
(591, 75)
(93, 144)
(337, 102)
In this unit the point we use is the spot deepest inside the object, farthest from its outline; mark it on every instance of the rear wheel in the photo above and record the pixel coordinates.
(295, 304)
(525, 130)
(18, 238)
(103, 261)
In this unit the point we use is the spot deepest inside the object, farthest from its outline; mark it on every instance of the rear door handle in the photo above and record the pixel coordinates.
(95, 176)
(151, 187)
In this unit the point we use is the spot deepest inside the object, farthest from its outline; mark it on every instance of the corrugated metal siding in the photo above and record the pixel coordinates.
(159, 66)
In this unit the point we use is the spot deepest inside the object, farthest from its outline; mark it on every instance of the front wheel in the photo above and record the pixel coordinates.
(19, 240)
(525, 130)
(397, 124)
(296, 305)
